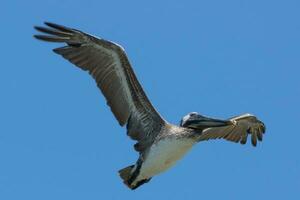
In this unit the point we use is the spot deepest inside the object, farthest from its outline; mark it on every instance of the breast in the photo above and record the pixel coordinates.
(164, 154)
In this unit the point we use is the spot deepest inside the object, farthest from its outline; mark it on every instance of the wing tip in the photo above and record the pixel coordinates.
(49, 38)
(59, 27)
(243, 142)
(39, 37)
(37, 28)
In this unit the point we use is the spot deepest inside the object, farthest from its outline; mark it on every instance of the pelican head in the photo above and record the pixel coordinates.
(199, 122)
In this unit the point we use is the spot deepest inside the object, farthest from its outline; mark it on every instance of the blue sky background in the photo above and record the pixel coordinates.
(59, 140)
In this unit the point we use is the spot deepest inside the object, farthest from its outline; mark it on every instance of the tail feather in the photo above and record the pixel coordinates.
(125, 173)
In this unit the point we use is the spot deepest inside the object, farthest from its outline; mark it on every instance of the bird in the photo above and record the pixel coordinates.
(159, 143)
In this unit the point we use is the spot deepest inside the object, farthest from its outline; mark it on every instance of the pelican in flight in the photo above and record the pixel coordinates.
(159, 143)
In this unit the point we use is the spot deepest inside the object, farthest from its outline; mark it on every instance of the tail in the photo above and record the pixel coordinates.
(127, 175)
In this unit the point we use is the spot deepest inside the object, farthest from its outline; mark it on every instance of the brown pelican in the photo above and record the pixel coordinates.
(159, 143)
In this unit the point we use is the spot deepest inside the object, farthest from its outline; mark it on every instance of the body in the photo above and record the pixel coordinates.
(159, 143)
(165, 151)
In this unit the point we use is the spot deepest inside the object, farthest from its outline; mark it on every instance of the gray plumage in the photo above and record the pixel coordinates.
(108, 64)
(159, 143)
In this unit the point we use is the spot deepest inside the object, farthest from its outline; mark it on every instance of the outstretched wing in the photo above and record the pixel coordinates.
(108, 64)
(244, 125)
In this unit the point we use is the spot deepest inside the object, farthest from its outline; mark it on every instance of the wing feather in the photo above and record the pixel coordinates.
(108, 64)
(245, 125)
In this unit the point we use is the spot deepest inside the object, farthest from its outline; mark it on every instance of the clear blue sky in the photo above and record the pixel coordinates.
(59, 140)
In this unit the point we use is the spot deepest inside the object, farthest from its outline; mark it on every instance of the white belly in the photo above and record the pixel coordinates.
(163, 155)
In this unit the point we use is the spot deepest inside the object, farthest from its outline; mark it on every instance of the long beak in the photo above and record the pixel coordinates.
(206, 122)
